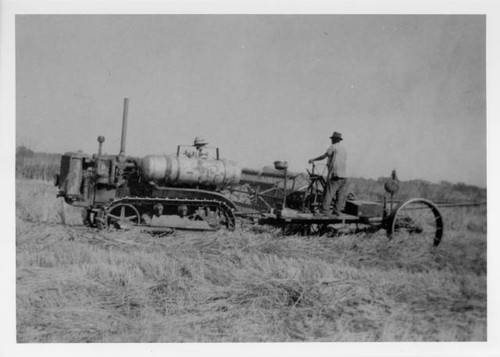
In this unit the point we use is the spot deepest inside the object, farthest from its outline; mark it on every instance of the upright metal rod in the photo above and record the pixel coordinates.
(284, 189)
(100, 140)
(124, 127)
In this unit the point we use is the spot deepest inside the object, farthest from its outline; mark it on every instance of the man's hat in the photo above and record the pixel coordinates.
(336, 135)
(200, 140)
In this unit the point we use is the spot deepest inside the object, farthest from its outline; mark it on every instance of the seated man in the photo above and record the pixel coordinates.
(199, 144)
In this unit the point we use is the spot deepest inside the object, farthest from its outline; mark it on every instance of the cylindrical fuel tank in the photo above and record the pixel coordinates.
(191, 172)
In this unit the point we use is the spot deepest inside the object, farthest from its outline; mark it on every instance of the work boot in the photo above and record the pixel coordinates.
(336, 212)
(323, 214)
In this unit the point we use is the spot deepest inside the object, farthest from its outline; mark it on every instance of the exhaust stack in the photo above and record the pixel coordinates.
(124, 127)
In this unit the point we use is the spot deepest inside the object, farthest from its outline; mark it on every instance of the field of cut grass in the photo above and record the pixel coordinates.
(251, 285)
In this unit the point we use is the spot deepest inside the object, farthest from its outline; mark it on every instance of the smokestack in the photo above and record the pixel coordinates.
(124, 127)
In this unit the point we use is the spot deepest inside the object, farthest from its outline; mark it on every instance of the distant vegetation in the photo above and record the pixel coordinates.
(370, 189)
(35, 165)
(43, 166)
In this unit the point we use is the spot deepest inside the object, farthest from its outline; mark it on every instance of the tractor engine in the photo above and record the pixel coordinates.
(86, 180)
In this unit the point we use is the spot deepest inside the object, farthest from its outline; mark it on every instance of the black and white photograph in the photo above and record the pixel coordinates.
(195, 177)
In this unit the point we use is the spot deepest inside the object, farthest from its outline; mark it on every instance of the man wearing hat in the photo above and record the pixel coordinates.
(336, 181)
(199, 143)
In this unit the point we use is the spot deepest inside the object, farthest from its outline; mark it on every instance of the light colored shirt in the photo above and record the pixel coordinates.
(197, 154)
(201, 154)
(337, 157)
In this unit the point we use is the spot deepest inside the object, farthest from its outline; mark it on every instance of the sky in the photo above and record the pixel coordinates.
(407, 92)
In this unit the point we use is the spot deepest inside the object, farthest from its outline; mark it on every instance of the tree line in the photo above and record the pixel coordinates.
(44, 166)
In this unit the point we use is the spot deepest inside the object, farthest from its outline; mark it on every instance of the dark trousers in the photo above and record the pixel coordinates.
(335, 188)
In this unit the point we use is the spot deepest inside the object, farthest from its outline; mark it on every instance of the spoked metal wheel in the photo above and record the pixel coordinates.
(122, 215)
(417, 216)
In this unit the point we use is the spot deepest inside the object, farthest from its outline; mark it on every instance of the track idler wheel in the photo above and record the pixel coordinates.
(119, 216)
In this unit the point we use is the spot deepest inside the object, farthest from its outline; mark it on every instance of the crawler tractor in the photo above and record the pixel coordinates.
(156, 193)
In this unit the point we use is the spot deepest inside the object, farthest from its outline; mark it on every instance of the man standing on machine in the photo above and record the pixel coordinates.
(336, 180)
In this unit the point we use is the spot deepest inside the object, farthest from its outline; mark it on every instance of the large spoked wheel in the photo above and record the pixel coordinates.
(417, 216)
(122, 215)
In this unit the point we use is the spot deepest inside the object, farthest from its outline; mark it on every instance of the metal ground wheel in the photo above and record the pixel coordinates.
(122, 215)
(417, 216)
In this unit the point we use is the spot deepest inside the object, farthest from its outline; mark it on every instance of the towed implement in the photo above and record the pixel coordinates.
(297, 199)
(186, 191)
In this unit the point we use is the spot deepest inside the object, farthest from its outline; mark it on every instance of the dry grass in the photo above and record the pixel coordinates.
(79, 285)
(38, 166)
